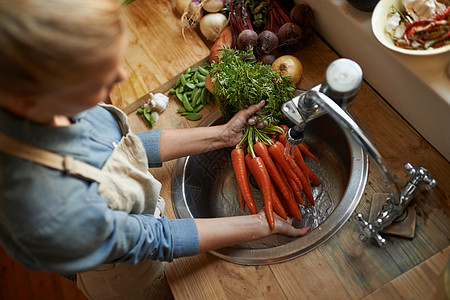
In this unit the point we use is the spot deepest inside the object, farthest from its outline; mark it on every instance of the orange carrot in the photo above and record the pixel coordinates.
(313, 177)
(301, 162)
(296, 191)
(241, 199)
(306, 185)
(305, 151)
(277, 204)
(261, 150)
(240, 170)
(277, 152)
(285, 128)
(260, 172)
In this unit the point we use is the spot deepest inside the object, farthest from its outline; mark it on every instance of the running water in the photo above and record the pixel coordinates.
(289, 150)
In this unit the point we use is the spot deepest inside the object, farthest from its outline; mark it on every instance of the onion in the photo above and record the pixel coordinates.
(213, 5)
(289, 33)
(289, 65)
(181, 5)
(212, 24)
(247, 39)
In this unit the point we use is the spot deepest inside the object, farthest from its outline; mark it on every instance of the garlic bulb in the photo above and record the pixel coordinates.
(158, 102)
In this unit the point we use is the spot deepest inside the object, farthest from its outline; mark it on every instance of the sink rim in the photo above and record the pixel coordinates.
(299, 246)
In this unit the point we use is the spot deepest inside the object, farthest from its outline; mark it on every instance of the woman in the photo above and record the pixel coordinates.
(75, 193)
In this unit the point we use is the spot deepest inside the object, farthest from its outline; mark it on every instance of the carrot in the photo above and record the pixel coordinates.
(277, 204)
(313, 177)
(277, 152)
(306, 185)
(305, 151)
(301, 162)
(296, 191)
(240, 170)
(241, 199)
(285, 128)
(260, 172)
(261, 150)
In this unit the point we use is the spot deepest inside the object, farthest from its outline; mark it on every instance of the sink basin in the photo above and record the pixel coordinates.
(204, 186)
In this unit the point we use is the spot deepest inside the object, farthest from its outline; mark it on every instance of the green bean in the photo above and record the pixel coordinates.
(172, 91)
(186, 103)
(200, 107)
(188, 70)
(180, 89)
(181, 110)
(183, 79)
(200, 84)
(196, 94)
(190, 85)
(202, 99)
(200, 77)
(203, 71)
(193, 116)
(180, 98)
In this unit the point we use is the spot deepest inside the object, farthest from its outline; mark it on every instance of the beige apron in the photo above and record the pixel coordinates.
(125, 182)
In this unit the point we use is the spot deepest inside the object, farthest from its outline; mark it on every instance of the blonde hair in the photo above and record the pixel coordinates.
(48, 45)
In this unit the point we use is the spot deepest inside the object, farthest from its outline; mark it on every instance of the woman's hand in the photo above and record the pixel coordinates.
(282, 226)
(234, 129)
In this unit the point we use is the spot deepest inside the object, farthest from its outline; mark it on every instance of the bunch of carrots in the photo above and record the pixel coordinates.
(281, 178)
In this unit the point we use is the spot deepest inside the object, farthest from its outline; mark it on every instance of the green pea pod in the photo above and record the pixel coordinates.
(186, 103)
(172, 91)
(188, 70)
(180, 89)
(203, 96)
(196, 94)
(180, 98)
(188, 93)
(183, 79)
(194, 116)
(181, 110)
(200, 107)
(177, 83)
(203, 71)
(201, 78)
(193, 70)
(200, 84)
(190, 85)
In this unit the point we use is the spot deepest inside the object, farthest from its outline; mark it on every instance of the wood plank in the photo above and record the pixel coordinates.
(306, 278)
(425, 281)
(156, 51)
(207, 277)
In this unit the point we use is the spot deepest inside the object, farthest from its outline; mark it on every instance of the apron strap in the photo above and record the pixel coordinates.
(49, 159)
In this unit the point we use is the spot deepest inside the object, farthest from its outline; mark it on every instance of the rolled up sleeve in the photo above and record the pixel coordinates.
(151, 139)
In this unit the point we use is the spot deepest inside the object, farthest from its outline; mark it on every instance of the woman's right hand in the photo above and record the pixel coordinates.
(282, 226)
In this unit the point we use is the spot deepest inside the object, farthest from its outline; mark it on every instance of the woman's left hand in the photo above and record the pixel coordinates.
(234, 129)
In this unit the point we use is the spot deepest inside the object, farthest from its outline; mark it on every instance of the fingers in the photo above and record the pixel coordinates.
(254, 108)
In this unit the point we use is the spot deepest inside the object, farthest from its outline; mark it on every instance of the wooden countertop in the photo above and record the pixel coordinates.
(337, 269)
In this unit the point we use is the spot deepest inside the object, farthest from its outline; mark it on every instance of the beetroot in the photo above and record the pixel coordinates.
(267, 41)
(289, 34)
(267, 59)
(247, 39)
(302, 15)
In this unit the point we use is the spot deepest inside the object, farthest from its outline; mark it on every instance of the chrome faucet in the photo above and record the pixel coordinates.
(343, 79)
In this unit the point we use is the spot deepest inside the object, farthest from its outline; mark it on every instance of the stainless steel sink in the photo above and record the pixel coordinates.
(204, 186)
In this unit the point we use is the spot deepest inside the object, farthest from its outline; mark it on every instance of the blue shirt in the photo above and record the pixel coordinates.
(51, 221)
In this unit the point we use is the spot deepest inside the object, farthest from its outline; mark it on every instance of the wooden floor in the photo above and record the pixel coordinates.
(16, 282)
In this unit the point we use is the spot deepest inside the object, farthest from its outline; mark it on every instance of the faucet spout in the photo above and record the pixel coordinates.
(342, 82)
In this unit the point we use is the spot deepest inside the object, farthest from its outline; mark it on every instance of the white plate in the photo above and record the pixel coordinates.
(379, 20)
